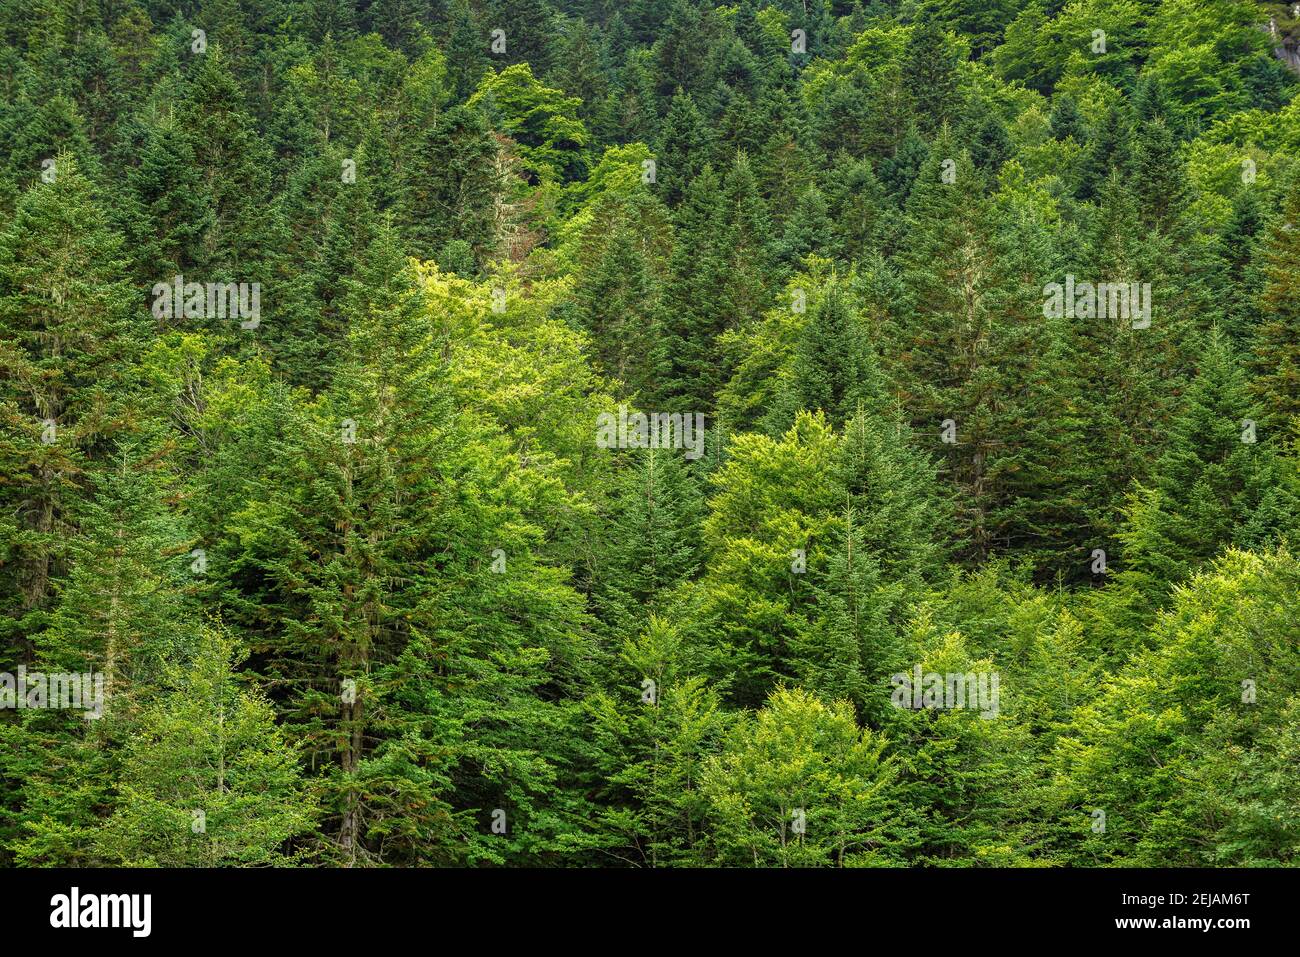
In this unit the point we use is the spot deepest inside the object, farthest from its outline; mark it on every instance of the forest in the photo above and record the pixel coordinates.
(649, 433)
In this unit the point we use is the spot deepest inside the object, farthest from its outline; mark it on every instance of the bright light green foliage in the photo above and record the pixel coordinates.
(208, 779)
(799, 784)
(655, 732)
(543, 121)
(1200, 708)
(770, 516)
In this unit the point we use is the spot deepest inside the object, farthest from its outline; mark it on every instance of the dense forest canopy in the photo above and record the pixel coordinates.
(651, 433)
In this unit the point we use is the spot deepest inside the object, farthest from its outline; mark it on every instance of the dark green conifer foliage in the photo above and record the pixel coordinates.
(449, 187)
(65, 306)
(930, 74)
(694, 313)
(1276, 357)
(834, 370)
(651, 539)
(1219, 483)
(683, 149)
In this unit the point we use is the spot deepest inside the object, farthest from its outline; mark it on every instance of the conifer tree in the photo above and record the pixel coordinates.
(64, 310)
(746, 234)
(834, 369)
(449, 186)
(416, 627)
(1109, 149)
(930, 74)
(945, 333)
(123, 617)
(208, 779)
(652, 537)
(1112, 380)
(621, 300)
(468, 50)
(851, 645)
(655, 733)
(808, 229)
(799, 784)
(1218, 483)
(693, 319)
(234, 164)
(171, 207)
(683, 148)
(967, 768)
(1277, 348)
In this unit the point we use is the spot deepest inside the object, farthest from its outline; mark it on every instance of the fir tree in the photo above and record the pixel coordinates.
(64, 308)
(1277, 343)
(208, 779)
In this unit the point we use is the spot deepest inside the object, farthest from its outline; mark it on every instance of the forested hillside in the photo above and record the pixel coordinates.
(649, 433)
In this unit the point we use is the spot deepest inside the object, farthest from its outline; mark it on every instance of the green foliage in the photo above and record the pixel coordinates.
(799, 784)
(543, 121)
(365, 583)
(208, 779)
